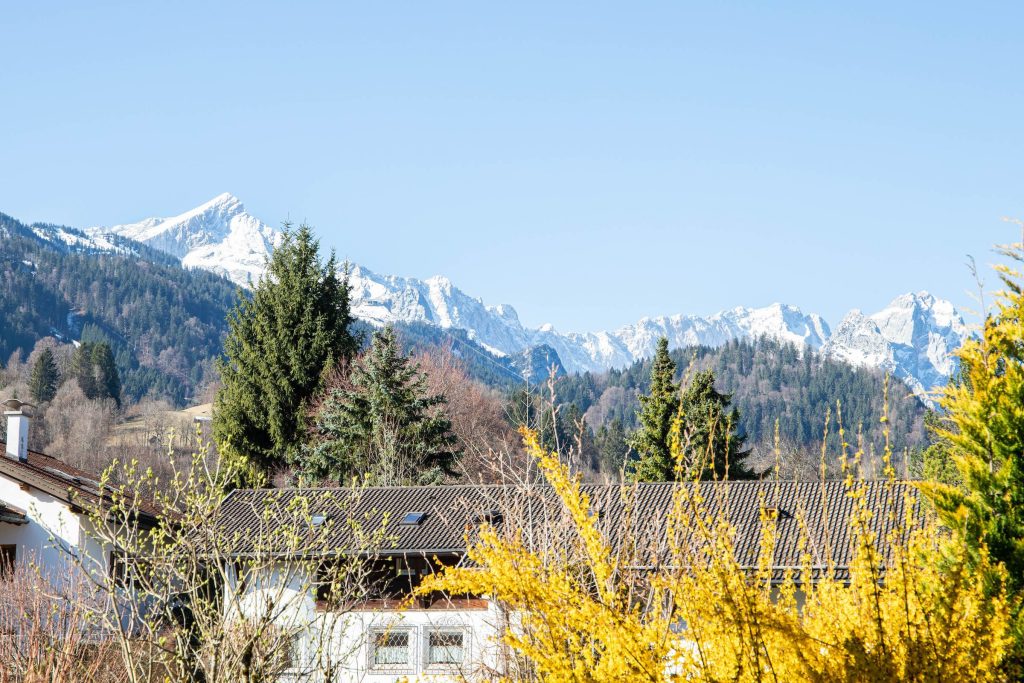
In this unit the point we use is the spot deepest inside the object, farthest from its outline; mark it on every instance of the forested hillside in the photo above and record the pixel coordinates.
(164, 323)
(533, 365)
(769, 380)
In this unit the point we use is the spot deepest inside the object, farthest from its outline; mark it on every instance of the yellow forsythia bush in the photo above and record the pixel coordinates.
(582, 610)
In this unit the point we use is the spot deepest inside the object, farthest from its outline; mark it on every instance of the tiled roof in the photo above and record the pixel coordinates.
(448, 510)
(12, 515)
(62, 481)
(823, 509)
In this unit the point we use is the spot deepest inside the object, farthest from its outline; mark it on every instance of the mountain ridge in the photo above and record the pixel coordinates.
(912, 338)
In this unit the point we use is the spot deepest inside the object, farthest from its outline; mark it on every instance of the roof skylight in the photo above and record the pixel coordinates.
(413, 518)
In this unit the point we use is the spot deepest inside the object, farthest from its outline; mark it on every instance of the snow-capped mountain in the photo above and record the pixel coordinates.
(382, 299)
(218, 236)
(913, 337)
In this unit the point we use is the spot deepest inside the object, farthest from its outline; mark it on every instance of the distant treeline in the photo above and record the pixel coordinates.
(769, 381)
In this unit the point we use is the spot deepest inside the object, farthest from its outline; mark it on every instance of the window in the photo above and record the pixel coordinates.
(391, 650)
(492, 517)
(295, 653)
(329, 576)
(8, 556)
(446, 648)
(413, 518)
(122, 570)
(118, 568)
(323, 587)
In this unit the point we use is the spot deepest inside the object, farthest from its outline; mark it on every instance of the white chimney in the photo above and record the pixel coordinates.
(17, 428)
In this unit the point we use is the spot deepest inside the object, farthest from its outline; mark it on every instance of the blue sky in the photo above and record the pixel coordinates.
(589, 163)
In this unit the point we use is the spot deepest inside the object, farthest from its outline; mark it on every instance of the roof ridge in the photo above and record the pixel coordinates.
(639, 484)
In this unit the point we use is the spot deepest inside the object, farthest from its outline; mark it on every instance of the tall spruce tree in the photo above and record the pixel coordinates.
(45, 377)
(713, 444)
(83, 371)
(612, 446)
(382, 424)
(107, 381)
(280, 343)
(93, 367)
(657, 411)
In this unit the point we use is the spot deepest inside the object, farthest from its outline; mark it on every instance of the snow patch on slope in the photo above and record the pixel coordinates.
(75, 240)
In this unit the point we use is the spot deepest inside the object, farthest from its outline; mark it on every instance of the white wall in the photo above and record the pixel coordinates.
(52, 535)
(51, 524)
(343, 640)
(480, 628)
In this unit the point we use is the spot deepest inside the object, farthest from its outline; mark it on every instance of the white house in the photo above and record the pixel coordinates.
(42, 500)
(379, 633)
(383, 636)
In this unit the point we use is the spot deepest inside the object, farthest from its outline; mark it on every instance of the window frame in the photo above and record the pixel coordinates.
(410, 649)
(8, 560)
(296, 652)
(446, 667)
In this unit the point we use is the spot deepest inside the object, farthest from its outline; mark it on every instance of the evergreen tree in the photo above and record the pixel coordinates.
(612, 446)
(45, 377)
(983, 433)
(383, 425)
(83, 371)
(280, 343)
(711, 439)
(93, 367)
(658, 409)
(107, 381)
(937, 463)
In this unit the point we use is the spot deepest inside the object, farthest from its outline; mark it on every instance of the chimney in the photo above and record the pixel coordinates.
(17, 428)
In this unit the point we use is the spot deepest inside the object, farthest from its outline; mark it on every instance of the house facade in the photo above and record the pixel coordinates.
(383, 634)
(43, 501)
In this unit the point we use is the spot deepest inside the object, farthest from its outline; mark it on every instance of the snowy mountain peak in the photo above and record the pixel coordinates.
(224, 199)
(218, 235)
(914, 338)
(439, 281)
(777, 321)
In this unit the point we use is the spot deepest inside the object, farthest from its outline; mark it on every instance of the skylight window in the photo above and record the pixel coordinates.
(413, 518)
(319, 520)
(490, 517)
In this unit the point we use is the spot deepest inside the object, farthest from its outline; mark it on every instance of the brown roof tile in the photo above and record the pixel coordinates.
(823, 509)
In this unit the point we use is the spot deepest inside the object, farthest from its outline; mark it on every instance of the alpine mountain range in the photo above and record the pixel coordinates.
(913, 338)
